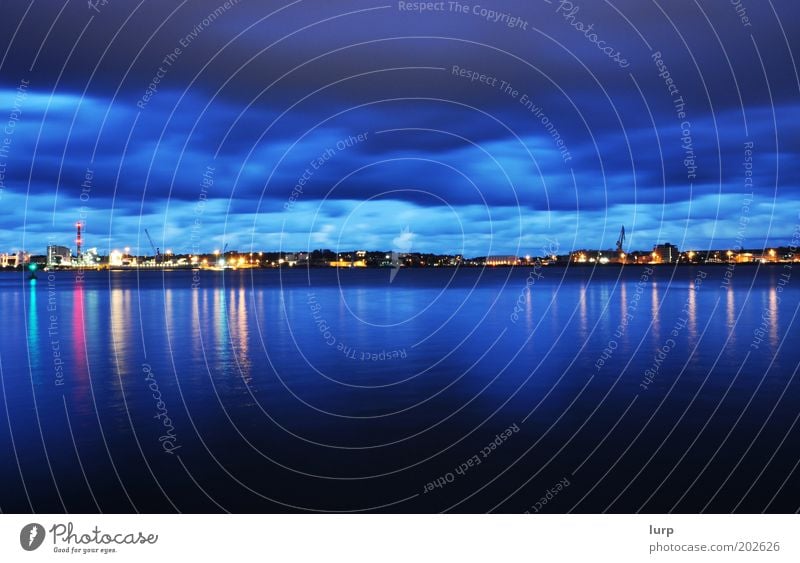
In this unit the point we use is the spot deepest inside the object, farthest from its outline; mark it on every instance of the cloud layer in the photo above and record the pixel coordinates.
(305, 124)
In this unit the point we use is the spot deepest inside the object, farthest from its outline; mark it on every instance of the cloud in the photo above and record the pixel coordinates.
(563, 143)
(403, 242)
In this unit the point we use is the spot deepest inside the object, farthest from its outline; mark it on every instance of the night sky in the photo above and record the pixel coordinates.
(570, 134)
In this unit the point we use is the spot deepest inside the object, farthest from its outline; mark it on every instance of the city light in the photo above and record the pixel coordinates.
(63, 257)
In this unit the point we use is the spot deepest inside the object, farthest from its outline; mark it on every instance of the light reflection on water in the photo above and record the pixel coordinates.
(252, 337)
(234, 325)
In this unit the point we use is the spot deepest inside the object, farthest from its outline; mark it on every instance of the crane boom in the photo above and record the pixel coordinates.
(153, 245)
(621, 239)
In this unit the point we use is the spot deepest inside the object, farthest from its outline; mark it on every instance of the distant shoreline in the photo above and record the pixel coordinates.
(576, 265)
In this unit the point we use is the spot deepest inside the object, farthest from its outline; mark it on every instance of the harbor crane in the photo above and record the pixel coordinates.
(155, 249)
(621, 239)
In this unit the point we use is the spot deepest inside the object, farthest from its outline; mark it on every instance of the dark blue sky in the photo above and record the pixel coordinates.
(259, 91)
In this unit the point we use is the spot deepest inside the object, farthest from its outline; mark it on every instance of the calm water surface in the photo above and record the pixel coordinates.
(332, 390)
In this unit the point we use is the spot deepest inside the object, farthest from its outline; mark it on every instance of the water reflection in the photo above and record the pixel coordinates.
(691, 306)
(654, 311)
(220, 319)
(239, 341)
(529, 308)
(582, 311)
(33, 331)
(194, 322)
(730, 311)
(121, 316)
(94, 316)
(360, 304)
(78, 338)
(169, 306)
(773, 318)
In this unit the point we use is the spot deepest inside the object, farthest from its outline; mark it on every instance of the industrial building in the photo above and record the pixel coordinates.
(58, 256)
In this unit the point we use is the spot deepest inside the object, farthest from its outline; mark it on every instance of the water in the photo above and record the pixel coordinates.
(336, 390)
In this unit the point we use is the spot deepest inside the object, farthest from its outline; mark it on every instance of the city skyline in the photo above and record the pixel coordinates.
(86, 256)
